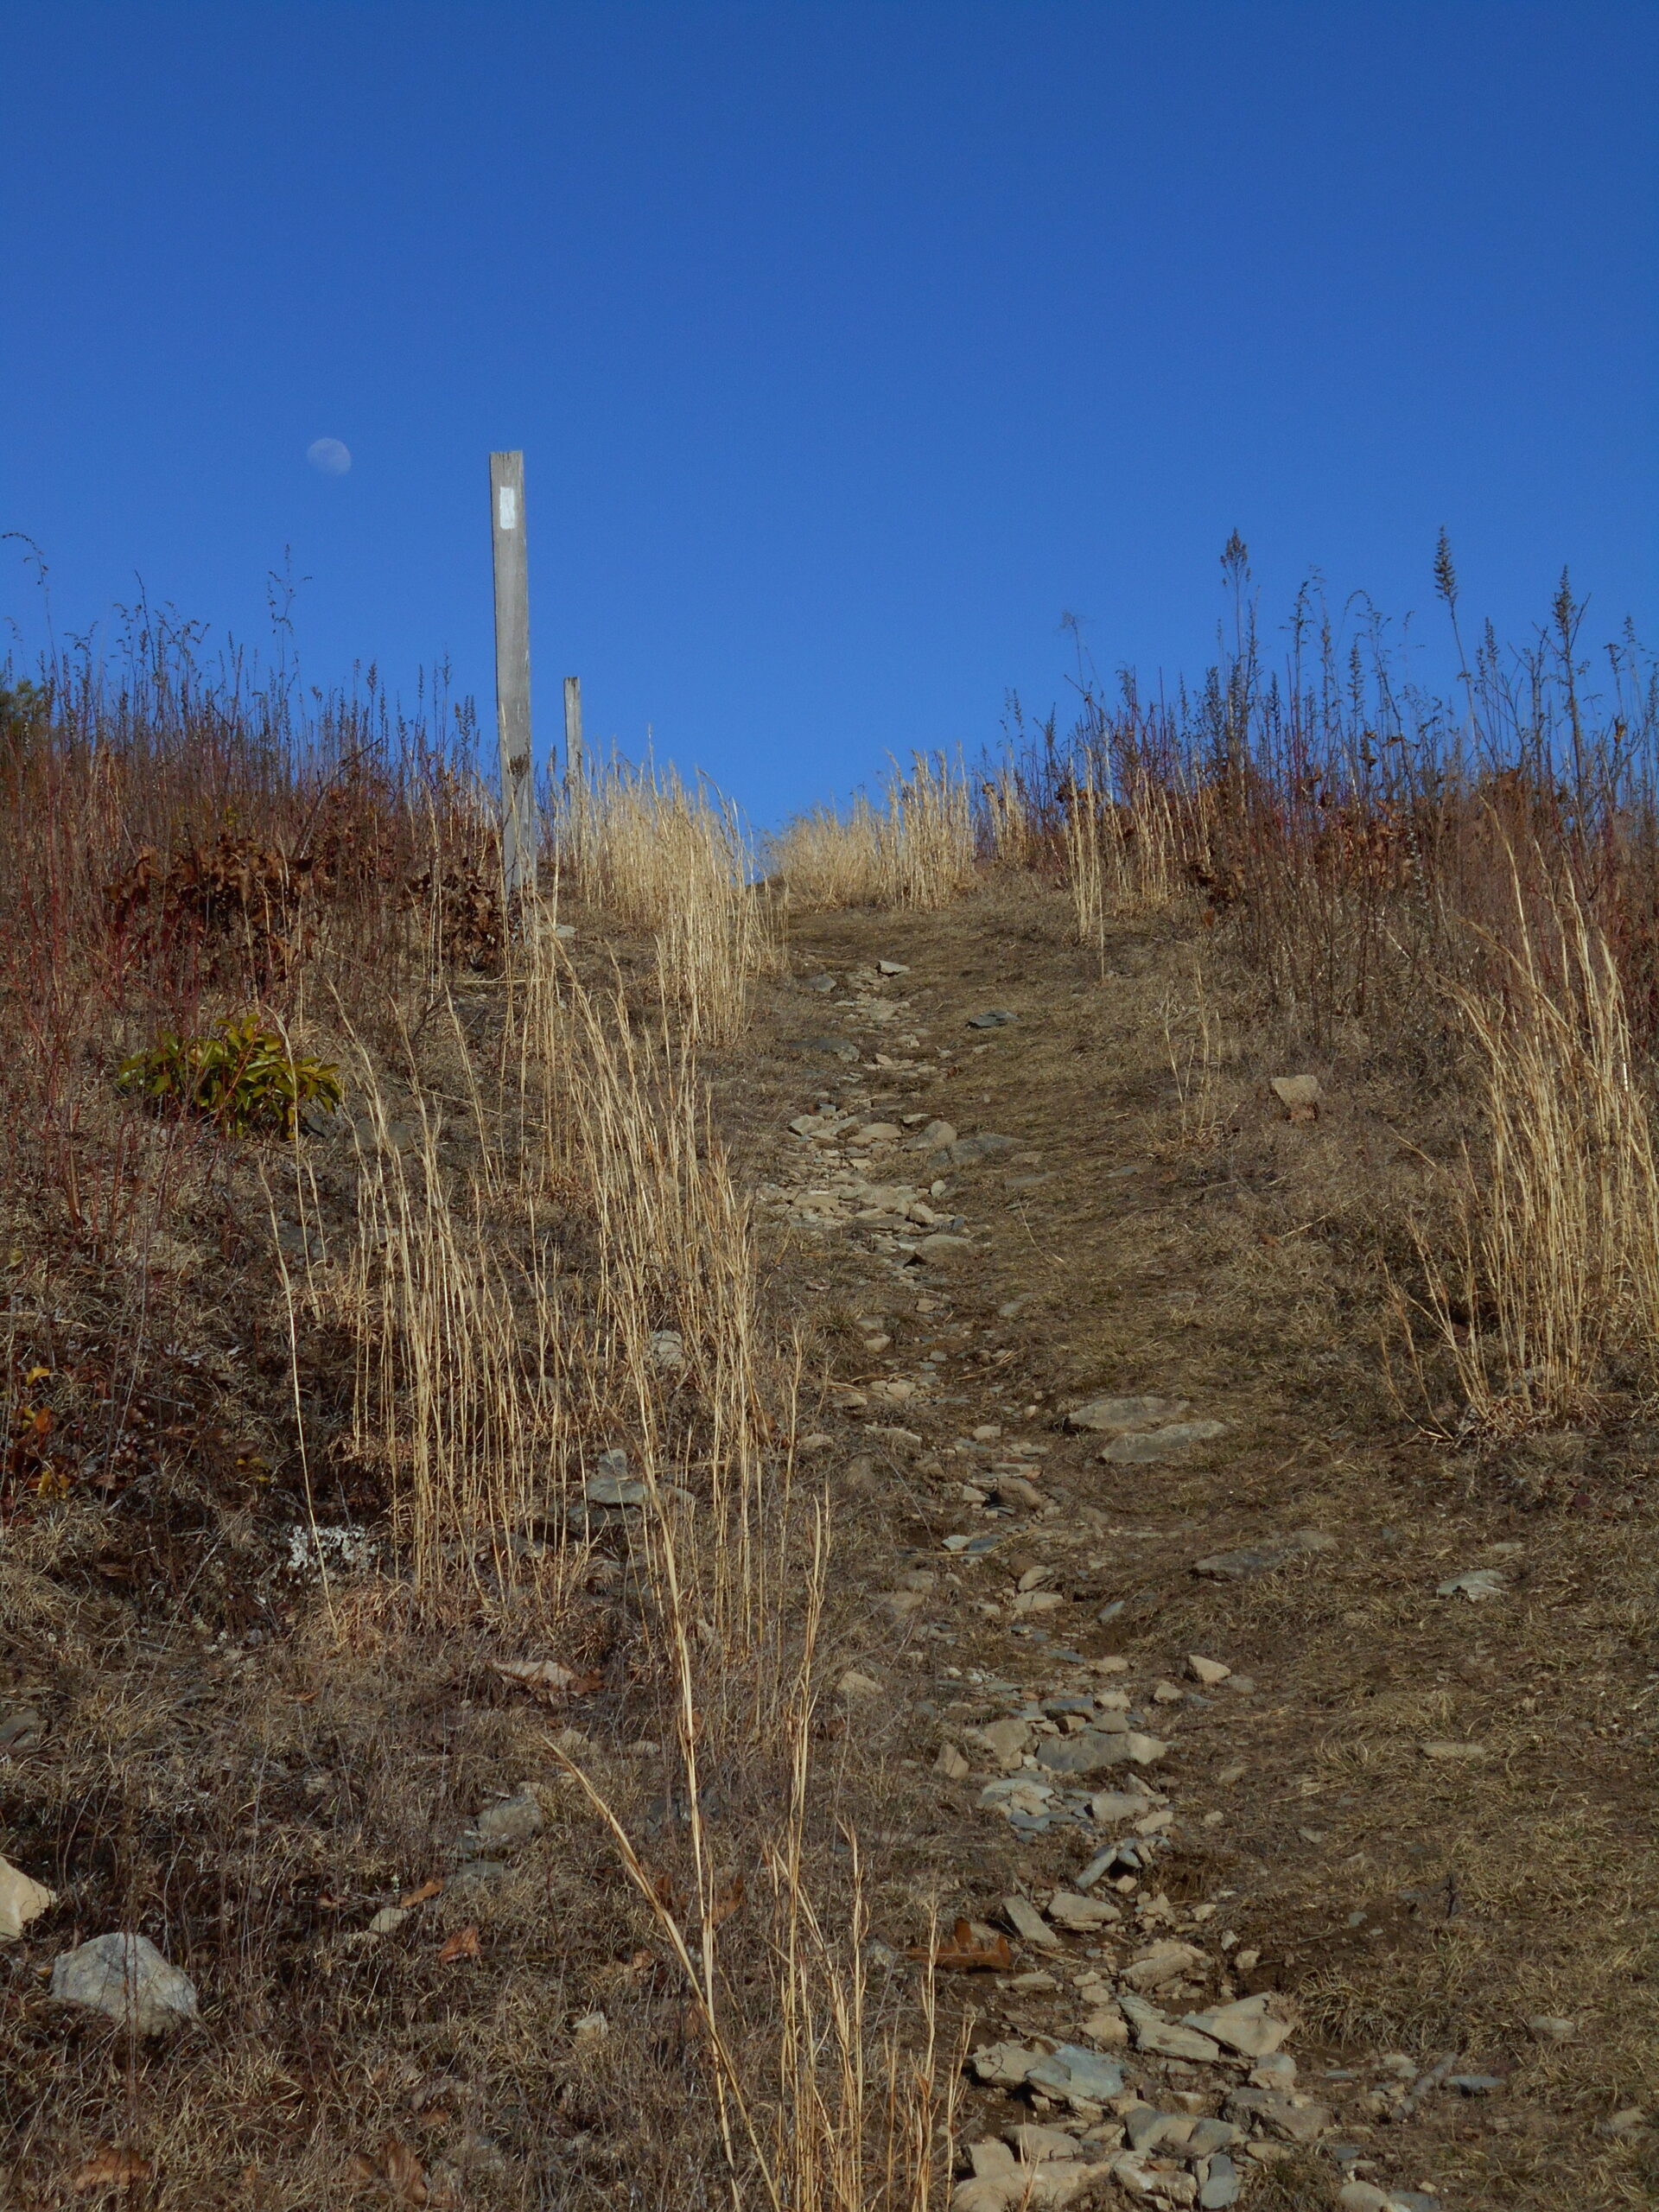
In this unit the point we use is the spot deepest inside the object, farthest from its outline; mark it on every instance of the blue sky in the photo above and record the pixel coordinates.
(849, 346)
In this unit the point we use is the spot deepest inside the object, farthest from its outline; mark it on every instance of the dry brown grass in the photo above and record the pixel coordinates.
(915, 847)
(657, 856)
(1557, 1214)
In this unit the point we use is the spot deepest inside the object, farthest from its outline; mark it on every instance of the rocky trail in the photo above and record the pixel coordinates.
(1153, 1738)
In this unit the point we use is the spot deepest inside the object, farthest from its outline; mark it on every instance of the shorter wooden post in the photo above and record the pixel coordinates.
(573, 761)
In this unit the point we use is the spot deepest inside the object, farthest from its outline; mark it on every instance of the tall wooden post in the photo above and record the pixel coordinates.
(573, 763)
(512, 674)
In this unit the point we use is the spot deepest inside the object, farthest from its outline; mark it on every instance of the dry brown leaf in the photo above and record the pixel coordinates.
(113, 2166)
(965, 1954)
(725, 1902)
(668, 1894)
(398, 2171)
(428, 1890)
(463, 1944)
(402, 2171)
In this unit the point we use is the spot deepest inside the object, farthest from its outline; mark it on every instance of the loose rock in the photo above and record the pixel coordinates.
(1073, 1911)
(1480, 1582)
(1221, 2183)
(1161, 1443)
(512, 1820)
(1251, 1560)
(124, 1977)
(1077, 2075)
(1116, 1416)
(22, 1899)
(1245, 2027)
(1028, 1924)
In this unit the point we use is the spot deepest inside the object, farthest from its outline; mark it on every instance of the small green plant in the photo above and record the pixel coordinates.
(244, 1078)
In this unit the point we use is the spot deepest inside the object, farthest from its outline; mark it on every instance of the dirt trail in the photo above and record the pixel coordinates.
(1153, 1674)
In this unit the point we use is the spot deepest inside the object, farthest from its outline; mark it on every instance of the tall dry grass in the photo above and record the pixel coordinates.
(1464, 886)
(676, 861)
(490, 1378)
(916, 846)
(1126, 856)
(1556, 1262)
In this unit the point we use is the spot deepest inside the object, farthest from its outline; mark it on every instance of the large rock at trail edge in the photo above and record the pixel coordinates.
(126, 1979)
(22, 1899)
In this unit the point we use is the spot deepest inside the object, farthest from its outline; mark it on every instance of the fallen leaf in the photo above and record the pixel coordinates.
(668, 1895)
(428, 1890)
(965, 1954)
(463, 1944)
(726, 1901)
(114, 2166)
(396, 2170)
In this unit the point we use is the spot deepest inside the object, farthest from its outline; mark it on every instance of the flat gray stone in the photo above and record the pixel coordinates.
(512, 1820)
(1072, 2072)
(1147, 1449)
(1245, 2027)
(1292, 2119)
(1145, 2126)
(1029, 1925)
(1251, 1560)
(1479, 1583)
(614, 1489)
(822, 1048)
(1154, 2031)
(125, 1978)
(995, 1017)
(942, 1247)
(1005, 2065)
(1220, 2186)
(22, 1899)
(1090, 1751)
(966, 1150)
(1209, 2135)
(1116, 1416)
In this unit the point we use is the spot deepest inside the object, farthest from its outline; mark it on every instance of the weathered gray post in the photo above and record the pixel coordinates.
(512, 674)
(572, 731)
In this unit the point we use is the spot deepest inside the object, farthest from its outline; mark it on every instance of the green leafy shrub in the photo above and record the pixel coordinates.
(244, 1077)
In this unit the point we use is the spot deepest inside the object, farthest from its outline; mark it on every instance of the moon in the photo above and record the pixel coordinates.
(328, 456)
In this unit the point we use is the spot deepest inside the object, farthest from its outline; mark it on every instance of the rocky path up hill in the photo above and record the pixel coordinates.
(1266, 1763)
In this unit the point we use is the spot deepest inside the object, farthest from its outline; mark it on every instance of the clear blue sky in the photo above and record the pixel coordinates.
(849, 346)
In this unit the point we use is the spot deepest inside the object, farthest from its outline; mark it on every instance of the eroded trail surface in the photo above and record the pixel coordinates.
(1274, 1767)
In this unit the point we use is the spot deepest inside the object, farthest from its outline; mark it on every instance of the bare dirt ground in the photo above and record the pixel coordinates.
(1423, 1821)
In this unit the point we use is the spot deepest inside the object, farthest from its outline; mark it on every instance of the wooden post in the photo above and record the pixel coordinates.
(512, 674)
(572, 731)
